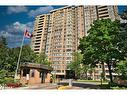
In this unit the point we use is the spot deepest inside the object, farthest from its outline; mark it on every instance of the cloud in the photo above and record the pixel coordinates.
(16, 9)
(40, 10)
(14, 33)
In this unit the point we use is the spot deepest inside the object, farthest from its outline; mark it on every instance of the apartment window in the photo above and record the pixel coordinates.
(36, 49)
(36, 46)
(68, 50)
(103, 13)
(102, 7)
(107, 71)
(38, 40)
(103, 10)
(68, 62)
(106, 66)
(38, 37)
(58, 71)
(40, 28)
(104, 16)
(37, 43)
(99, 66)
(68, 58)
(38, 34)
(36, 52)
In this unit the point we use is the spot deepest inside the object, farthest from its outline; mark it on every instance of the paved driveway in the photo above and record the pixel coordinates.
(85, 85)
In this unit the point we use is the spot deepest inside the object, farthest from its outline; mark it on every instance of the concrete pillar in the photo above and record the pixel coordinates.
(70, 82)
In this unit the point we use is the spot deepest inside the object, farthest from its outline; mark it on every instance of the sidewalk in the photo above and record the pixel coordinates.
(45, 86)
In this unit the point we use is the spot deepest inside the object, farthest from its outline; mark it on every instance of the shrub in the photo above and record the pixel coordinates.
(9, 80)
(13, 85)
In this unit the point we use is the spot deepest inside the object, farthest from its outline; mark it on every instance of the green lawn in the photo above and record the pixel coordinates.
(97, 81)
(113, 86)
(105, 84)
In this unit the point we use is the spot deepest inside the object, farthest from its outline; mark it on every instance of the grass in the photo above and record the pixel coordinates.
(97, 81)
(113, 86)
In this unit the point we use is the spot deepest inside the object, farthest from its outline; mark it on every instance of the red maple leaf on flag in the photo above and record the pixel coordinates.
(27, 34)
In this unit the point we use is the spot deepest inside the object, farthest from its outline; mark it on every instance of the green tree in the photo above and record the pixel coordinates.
(100, 46)
(42, 59)
(9, 56)
(4, 54)
(27, 54)
(123, 15)
(121, 68)
(122, 45)
(84, 70)
(76, 64)
(5, 64)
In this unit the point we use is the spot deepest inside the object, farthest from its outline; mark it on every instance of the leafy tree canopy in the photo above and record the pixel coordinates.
(122, 69)
(42, 59)
(101, 45)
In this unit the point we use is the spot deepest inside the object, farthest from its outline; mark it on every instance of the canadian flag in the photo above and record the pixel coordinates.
(27, 34)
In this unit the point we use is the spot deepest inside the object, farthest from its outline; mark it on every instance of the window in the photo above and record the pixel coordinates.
(58, 71)
(26, 71)
(32, 73)
(36, 49)
(40, 74)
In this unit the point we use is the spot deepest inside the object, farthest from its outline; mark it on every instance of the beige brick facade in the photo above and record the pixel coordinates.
(58, 33)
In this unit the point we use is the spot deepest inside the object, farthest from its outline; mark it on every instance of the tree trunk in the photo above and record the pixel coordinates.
(86, 76)
(103, 71)
(110, 72)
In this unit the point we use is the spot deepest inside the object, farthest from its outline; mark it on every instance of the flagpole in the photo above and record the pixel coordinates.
(16, 71)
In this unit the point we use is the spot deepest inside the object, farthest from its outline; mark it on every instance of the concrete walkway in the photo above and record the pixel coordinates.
(45, 86)
(54, 86)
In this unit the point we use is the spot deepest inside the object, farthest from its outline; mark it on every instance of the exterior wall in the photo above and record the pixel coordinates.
(48, 77)
(105, 12)
(98, 70)
(96, 73)
(92, 13)
(40, 33)
(57, 33)
(67, 26)
(99, 12)
(36, 79)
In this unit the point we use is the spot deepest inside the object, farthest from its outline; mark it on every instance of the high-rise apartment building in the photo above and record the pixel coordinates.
(105, 12)
(38, 41)
(99, 12)
(92, 13)
(67, 26)
(57, 33)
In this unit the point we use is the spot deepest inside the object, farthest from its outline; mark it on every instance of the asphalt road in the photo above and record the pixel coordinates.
(85, 85)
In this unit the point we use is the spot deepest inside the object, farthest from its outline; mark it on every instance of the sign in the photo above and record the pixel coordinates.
(27, 76)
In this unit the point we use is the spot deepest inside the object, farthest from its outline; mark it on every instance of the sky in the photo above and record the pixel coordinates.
(14, 19)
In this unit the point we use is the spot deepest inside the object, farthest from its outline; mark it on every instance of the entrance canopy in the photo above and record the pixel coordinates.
(36, 66)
